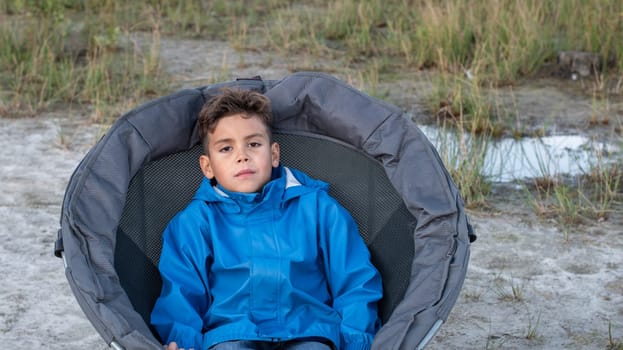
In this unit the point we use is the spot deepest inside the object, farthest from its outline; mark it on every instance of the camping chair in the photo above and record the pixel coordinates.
(379, 164)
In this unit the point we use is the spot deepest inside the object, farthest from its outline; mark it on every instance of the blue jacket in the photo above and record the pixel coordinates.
(282, 264)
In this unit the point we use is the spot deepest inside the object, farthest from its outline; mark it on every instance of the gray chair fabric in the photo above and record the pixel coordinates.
(379, 164)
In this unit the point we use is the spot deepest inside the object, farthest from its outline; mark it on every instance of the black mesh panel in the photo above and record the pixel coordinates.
(156, 193)
(358, 182)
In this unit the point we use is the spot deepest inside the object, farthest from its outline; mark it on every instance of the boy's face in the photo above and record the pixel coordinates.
(240, 155)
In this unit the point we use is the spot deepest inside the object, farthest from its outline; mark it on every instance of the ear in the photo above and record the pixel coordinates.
(206, 168)
(274, 153)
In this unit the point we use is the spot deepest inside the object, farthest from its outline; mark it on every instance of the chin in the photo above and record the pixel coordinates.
(247, 190)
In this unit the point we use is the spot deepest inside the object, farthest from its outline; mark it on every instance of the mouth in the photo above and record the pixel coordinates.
(244, 172)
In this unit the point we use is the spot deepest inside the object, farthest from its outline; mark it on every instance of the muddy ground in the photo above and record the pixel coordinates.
(530, 284)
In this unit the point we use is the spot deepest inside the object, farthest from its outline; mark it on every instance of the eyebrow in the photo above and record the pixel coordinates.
(227, 140)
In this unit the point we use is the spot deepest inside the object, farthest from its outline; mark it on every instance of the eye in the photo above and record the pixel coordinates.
(254, 144)
(225, 149)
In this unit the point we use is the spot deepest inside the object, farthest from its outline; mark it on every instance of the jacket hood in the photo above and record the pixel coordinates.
(286, 183)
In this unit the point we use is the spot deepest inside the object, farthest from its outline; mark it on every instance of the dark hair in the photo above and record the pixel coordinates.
(232, 101)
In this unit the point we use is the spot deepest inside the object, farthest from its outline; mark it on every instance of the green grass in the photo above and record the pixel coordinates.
(499, 42)
(463, 154)
(55, 52)
(508, 290)
(465, 104)
(532, 332)
(85, 54)
(592, 196)
(613, 344)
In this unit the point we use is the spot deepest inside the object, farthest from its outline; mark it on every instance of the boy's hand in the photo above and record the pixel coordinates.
(172, 346)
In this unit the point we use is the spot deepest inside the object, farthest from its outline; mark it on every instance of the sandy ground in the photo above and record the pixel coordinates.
(530, 288)
(38, 310)
(529, 285)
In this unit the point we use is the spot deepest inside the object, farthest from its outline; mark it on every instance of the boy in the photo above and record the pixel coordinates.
(262, 257)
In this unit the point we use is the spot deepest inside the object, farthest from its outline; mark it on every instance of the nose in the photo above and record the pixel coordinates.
(242, 157)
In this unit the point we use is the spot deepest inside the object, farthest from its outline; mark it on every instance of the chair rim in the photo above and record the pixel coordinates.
(381, 130)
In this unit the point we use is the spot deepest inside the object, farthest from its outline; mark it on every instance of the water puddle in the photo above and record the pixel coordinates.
(506, 160)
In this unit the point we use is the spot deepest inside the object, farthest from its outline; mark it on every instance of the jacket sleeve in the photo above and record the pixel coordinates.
(355, 283)
(184, 298)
